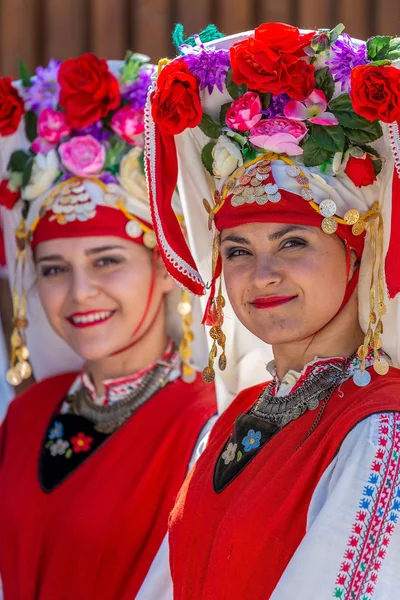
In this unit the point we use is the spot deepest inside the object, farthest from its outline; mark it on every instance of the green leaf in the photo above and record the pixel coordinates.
(68, 453)
(239, 456)
(367, 134)
(343, 111)
(324, 82)
(380, 63)
(210, 127)
(314, 155)
(377, 161)
(394, 49)
(49, 443)
(26, 175)
(378, 47)
(24, 74)
(18, 161)
(335, 32)
(249, 152)
(235, 90)
(207, 158)
(31, 125)
(222, 113)
(329, 138)
(266, 100)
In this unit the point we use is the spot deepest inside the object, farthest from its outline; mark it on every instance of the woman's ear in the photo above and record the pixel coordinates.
(354, 264)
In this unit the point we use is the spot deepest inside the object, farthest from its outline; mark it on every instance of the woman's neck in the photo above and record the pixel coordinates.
(147, 350)
(340, 337)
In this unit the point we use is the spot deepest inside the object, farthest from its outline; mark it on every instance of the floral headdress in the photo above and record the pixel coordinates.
(289, 126)
(72, 152)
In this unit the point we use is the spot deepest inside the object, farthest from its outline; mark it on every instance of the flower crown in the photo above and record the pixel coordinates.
(82, 120)
(316, 96)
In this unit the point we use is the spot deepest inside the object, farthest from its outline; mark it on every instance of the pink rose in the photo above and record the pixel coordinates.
(244, 112)
(128, 123)
(40, 146)
(53, 126)
(83, 156)
(279, 135)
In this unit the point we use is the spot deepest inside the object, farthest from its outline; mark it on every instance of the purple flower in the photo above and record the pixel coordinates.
(136, 92)
(345, 57)
(276, 106)
(107, 177)
(208, 65)
(96, 130)
(44, 90)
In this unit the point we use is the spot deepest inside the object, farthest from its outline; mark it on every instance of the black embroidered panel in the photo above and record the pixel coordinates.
(69, 441)
(250, 434)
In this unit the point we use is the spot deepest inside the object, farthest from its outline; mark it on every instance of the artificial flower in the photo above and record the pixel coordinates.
(136, 92)
(44, 172)
(130, 177)
(57, 431)
(276, 106)
(208, 65)
(83, 156)
(8, 196)
(252, 440)
(360, 170)
(274, 61)
(279, 135)
(11, 107)
(59, 448)
(53, 126)
(176, 102)
(128, 123)
(375, 92)
(230, 453)
(96, 129)
(44, 91)
(227, 157)
(313, 109)
(81, 442)
(89, 91)
(40, 146)
(345, 56)
(244, 112)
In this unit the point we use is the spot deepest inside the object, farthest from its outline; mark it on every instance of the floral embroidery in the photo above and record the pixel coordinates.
(57, 431)
(252, 440)
(81, 442)
(59, 447)
(375, 521)
(229, 455)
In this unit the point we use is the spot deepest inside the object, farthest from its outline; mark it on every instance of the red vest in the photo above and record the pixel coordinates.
(236, 544)
(95, 536)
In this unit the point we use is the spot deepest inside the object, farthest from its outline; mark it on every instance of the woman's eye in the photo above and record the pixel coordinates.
(106, 261)
(234, 252)
(52, 271)
(293, 243)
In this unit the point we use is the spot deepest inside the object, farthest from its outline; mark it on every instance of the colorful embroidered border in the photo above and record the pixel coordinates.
(376, 519)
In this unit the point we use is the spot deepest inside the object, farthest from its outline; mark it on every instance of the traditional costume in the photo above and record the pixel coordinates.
(87, 483)
(297, 494)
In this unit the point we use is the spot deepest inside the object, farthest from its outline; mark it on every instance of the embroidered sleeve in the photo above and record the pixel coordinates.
(351, 549)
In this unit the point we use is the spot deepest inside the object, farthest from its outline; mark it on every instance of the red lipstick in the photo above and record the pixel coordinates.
(90, 318)
(271, 301)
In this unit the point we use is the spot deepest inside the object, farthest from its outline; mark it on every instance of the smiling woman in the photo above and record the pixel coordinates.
(91, 461)
(297, 163)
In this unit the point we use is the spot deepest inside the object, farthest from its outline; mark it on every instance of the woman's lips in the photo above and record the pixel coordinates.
(271, 301)
(88, 319)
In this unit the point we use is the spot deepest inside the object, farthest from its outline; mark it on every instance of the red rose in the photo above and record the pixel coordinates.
(375, 92)
(8, 198)
(89, 91)
(176, 102)
(360, 170)
(272, 61)
(11, 107)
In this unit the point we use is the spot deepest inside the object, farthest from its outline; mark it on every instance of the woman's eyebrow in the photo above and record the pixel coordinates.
(237, 239)
(50, 257)
(279, 234)
(103, 249)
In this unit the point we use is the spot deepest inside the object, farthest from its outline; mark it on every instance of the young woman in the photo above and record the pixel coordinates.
(91, 462)
(297, 493)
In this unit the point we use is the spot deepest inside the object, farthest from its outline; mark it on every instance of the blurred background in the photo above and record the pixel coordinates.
(36, 30)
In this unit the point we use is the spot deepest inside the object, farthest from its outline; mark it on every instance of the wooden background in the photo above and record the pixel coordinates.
(39, 29)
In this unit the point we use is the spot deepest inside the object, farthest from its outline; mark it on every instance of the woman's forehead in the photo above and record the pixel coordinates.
(81, 245)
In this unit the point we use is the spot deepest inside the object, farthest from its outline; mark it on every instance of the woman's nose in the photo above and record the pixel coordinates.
(83, 287)
(266, 272)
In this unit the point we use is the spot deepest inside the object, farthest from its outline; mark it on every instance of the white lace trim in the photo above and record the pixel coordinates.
(150, 150)
(394, 140)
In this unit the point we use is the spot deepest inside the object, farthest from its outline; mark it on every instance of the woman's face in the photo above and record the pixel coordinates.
(94, 291)
(285, 282)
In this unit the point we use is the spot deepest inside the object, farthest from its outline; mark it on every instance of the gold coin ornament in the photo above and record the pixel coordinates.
(381, 309)
(381, 366)
(208, 374)
(13, 377)
(329, 225)
(184, 308)
(24, 353)
(222, 362)
(351, 217)
(25, 369)
(362, 351)
(150, 240)
(358, 228)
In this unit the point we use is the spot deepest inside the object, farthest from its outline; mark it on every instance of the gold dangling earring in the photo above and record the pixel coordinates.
(185, 349)
(218, 337)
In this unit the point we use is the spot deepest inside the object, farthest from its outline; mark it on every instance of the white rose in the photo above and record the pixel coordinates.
(44, 171)
(131, 178)
(227, 157)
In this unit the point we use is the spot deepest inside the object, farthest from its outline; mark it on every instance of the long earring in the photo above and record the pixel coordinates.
(185, 347)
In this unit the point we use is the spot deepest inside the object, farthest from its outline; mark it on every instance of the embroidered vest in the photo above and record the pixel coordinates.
(236, 542)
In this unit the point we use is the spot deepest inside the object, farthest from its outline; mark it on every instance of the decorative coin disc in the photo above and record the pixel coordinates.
(293, 171)
(358, 228)
(351, 217)
(307, 194)
(271, 188)
(329, 225)
(262, 200)
(381, 366)
(327, 208)
(208, 375)
(313, 403)
(133, 229)
(150, 240)
(361, 378)
(362, 351)
(274, 197)
(302, 180)
(262, 176)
